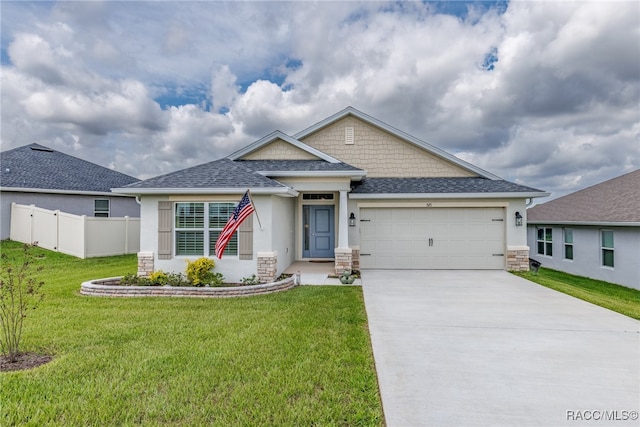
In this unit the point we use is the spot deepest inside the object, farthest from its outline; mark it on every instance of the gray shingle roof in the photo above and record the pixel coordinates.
(438, 185)
(223, 173)
(615, 200)
(227, 173)
(296, 165)
(37, 167)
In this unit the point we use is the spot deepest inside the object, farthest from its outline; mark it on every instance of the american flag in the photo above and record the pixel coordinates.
(240, 213)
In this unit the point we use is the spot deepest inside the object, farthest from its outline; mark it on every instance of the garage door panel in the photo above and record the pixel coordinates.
(432, 238)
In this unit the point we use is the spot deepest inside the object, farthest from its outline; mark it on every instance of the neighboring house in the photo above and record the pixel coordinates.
(349, 188)
(37, 175)
(594, 232)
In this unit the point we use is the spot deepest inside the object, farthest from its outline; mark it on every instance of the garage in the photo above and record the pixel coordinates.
(432, 238)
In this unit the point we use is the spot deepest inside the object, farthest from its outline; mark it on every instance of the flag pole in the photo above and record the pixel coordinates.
(254, 209)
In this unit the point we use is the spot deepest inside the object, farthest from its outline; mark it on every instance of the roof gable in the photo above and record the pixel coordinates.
(279, 138)
(35, 166)
(615, 200)
(383, 150)
(279, 150)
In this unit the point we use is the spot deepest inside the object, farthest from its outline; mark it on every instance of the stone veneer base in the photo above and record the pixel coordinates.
(110, 287)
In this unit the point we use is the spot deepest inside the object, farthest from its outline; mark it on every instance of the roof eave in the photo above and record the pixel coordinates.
(508, 195)
(278, 191)
(353, 175)
(56, 191)
(586, 223)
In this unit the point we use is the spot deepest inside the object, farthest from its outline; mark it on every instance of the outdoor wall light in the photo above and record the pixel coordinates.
(352, 220)
(518, 219)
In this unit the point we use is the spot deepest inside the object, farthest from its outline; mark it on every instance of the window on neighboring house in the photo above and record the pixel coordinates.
(101, 208)
(607, 248)
(545, 241)
(568, 243)
(192, 225)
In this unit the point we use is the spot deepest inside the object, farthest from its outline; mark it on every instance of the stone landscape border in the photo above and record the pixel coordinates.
(110, 287)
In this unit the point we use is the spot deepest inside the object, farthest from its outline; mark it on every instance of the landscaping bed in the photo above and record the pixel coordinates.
(112, 287)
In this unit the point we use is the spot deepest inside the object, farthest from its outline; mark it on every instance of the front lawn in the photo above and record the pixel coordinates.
(301, 357)
(608, 295)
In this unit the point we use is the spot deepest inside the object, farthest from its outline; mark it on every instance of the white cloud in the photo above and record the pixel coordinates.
(558, 109)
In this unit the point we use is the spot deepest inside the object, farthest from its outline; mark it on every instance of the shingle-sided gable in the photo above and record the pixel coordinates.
(615, 200)
(37, 167)
(379, 152)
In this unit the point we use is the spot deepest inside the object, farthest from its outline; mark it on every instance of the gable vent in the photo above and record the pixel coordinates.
(348, 135)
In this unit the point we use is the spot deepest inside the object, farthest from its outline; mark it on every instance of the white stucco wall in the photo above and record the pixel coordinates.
(277, 215)
(587, 258)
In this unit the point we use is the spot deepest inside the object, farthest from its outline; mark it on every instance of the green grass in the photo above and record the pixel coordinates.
(301, 357)
(608, 295)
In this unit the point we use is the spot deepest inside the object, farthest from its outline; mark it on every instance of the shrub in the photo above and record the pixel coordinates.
(251, 280)
(177, 279)
(159, 278)
(217, 279)
(199, 271)
(19, 292)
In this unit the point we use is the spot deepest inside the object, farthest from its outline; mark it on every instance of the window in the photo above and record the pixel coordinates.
(317, 196)
(545, 241)
(568, 243)
(192, 225)
(101, 208)
(607, 248)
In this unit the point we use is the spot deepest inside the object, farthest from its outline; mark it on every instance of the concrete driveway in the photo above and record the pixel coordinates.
(487, 348)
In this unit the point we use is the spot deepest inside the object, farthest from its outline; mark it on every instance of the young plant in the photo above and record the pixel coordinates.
(251, 280)
(199, 271)
(19, 293)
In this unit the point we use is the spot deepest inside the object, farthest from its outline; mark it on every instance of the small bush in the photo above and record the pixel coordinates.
(199, 271)
(177, 279)
(19, 293)
(251, 280)
(159, 278)
(216, 279)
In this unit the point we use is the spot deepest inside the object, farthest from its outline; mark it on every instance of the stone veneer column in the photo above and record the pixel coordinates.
(267, 266)
(145, 264)
(518, 258)
(355, 257)
(344, 258)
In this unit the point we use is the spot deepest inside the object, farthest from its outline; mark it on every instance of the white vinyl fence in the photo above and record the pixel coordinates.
(78, 235)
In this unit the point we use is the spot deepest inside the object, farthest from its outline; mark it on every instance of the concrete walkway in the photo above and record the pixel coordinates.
(487, 348)
(317, 273)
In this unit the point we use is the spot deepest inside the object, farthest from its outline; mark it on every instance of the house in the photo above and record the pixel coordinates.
(350, 190)
(36, 175)
(594, 232)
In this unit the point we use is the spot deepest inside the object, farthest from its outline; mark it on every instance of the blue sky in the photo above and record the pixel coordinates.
(541, 93)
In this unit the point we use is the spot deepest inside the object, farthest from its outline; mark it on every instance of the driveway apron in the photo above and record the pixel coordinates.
(487, 348)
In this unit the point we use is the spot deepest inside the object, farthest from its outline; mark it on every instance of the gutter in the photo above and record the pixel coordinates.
(67, 192)
(586, 223)
(281, 191)
(446, 195)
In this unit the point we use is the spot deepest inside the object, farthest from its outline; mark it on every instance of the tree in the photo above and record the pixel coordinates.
(19, 293)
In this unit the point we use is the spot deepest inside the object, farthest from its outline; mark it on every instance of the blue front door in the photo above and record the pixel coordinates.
(319, 236)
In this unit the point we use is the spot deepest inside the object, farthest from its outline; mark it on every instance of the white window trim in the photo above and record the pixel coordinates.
(565, 244)
(603, 248)
(108, 211)
(545, 241)
(207, 250)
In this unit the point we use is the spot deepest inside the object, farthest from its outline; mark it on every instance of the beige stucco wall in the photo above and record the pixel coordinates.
(279, 150)
(380, 153)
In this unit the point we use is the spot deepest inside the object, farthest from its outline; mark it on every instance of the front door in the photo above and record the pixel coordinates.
(318, 233)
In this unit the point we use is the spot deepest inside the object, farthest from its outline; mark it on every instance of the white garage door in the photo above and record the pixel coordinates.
(432, 238)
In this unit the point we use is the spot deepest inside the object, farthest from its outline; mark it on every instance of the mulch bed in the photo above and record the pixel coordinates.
(25, 361)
